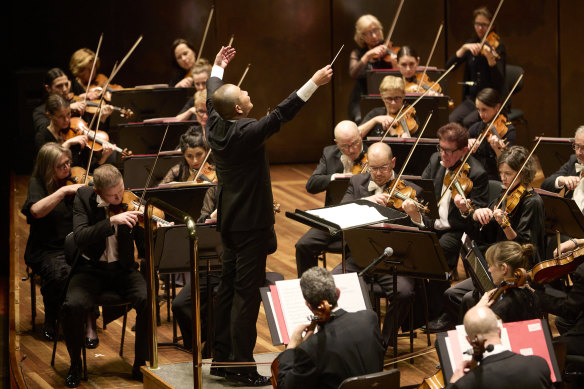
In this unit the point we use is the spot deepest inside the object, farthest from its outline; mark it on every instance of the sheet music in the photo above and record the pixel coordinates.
(274, 310)
(351, 299)
(465, 345)
(349, 215)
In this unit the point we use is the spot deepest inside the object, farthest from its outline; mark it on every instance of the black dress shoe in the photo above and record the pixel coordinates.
(137, 374)
(91, 343)
(248, 379)
(49, 331)
(441, 324)
(73, 378)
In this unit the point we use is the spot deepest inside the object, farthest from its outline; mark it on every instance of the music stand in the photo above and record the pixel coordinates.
(145, 138)
(552, 153)
(336, 189)
(561, 214)
(137, 168)
(427, 194)
(416, 254)
(477, 268)
(401, 147)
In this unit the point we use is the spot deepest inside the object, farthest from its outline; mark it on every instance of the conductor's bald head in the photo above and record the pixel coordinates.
(231, 102)
(481, 321)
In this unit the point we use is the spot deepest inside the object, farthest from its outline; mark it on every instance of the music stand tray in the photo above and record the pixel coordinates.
(561, 214)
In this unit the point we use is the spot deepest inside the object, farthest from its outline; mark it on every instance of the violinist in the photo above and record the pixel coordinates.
(337, 161)
(183, 60)
(106, 241)
(347, 345)
(371, 54)
(517, 303)
(201, 72)
(197, 111)
(485, 69)
(488, 103)
(378, 120)
(194, 149)
(499, 368)
(56, 82)
(568, 177)
(373, 186)
(407, 63)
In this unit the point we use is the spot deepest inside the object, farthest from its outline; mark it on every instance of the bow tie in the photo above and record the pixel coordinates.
(579, 167)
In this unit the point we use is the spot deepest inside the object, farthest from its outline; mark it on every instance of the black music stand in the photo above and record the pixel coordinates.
(427, 195)
(416, 254)
(401, 147)
(137, 168)
(145, 138)
(474, 263)
(561, 214)
(553, 153)
(337, 188)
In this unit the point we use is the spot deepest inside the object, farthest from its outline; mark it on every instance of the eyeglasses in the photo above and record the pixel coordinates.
(390, 99)
(577, 147)
(350, 146)
(64, 165)
(481, 25)
(372, 32)
(447, 151)
(373, 169)
(201, 112)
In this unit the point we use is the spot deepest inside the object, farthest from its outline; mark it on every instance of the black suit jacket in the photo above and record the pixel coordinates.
(347, 346)
(92, 226)
(329, 163)
(507, 370)
(244, 197)
(479, 193)
(567, 169)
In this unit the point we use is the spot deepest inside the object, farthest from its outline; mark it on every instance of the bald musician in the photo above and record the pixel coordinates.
(499, 368)
(244, 209)
(337, 160)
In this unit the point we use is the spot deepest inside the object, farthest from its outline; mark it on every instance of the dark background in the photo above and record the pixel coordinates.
(286, 41)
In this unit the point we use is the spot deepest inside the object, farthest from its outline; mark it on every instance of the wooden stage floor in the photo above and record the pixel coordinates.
(105, 368)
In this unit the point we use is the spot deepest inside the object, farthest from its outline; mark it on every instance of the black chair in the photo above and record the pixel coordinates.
(385, 379)
(494, 190)
(512, 73)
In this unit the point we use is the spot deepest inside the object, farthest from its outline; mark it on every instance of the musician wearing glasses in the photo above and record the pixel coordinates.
(568, 177)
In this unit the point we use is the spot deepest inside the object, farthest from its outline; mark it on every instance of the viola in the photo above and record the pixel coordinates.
(421, 84)
(131, 202)
(517, 281)
(361, 166)
(78, 126)
(322, 315)
(406, 125)
(401, 193)
(552, 269)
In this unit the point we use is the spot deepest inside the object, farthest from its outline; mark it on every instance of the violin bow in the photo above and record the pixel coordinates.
(201, 168)
(231, 40)
(480, 139)
(400, 116)
(410, 155)
(490, 25)
(517, 175)
(244, 74)
(393, 23)
(205, 33)
(153, 166)
(93, 66)
(431, 54)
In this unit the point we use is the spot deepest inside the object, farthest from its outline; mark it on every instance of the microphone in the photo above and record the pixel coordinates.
(469, 83)
(388, 252)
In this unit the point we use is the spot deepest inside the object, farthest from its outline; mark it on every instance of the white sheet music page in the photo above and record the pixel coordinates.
(349, 215)
(351, 299)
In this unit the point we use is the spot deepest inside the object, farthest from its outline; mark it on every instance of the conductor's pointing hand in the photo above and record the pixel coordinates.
(323, 76)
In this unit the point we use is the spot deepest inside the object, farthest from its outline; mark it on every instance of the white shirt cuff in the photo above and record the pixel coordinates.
(217, 71)
(558, 185)
(307, 90)
(421, 224)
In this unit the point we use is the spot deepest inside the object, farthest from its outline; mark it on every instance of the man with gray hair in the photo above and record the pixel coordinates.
(499, 368)
(347, 345)
(568, 176)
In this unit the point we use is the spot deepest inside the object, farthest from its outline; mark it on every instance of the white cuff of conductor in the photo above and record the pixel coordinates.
(217, 71)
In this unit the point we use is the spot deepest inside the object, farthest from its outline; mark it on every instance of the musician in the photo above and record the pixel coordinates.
(523, 224)
(371, 54)
(56, 82)
(407, 63)
(482, 69)
(568, 176)
(488, 103)
(194, 149)
(196, 111)
(59, 114)
(80, 65)
(452, 149)
(378, 120)
(49, 211)
(245, 209)
(347, 345)
(373, 186)
(106, 241)
(337, 161)
(517, 303)
(499, 368)
(183, 59)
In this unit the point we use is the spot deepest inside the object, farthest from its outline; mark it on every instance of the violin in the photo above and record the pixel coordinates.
(422, 82)
(514, 198)
(492, 41)
(100, 81)
(208, 174)
(78, 175)
(462, 185)
(361, 166)
(499, 129)
(93, 107)
(131, 202)
(552, 269)
(78, 126)
(322, 315)
(406, 125)
(401, 193)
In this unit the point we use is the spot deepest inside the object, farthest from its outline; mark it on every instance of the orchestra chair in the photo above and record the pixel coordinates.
(494, 190)
(333, 248)
(512, 73)
(108, 299)
(388, 379)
